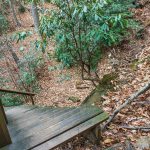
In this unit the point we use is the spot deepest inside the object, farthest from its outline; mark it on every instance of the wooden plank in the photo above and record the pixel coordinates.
(38, 116)
(68, 123)
(16, 114)
(23, 117)
(16, 110)
(37, 124)
(40, 124)
(3, 111)
(63, 138)
(4, 134)
(43, 124)
(31, 114)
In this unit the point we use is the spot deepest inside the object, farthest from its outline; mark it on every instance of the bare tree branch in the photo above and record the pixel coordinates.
(136, 127)
(128, 101)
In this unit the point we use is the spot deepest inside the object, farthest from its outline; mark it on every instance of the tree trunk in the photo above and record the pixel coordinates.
(11, 2)
(35, 15)
(15, 57)
(13, 53)
(21, 5)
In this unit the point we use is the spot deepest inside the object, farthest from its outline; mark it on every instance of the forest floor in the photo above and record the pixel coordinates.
(132, 63)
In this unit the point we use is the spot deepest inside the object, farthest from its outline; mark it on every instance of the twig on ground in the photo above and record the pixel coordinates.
(136, 127)
(128, 101)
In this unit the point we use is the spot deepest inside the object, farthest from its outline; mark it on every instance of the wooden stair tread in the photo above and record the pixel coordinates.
(64, 137)
(37, 123)
(41, 125)
(16, 115)
(35, 115)
(18, 109)
(59, 125)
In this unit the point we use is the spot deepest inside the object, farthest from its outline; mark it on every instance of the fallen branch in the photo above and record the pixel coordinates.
(147, 103)
(128, 101)
(136, 127)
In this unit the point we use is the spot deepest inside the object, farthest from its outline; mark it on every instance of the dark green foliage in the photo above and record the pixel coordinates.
(21, 9)
(4, 5)
(48, 1)
(32, 61)
(11, 100)
(20, 36)
(3, 24)
(25, 71)
(83, 28)
(140, 34)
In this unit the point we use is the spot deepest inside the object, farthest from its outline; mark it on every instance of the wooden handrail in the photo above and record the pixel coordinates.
(5, 137)
(17, 92)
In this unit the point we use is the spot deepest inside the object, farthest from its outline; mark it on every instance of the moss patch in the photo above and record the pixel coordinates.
(104, 85)
(74, 99)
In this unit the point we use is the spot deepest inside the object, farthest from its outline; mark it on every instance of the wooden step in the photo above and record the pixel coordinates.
(37, 123)
(36, 126)
(78, 130)
(35, 114)
(50, 124)
(29, 112)
(18, 109)
(27, 140)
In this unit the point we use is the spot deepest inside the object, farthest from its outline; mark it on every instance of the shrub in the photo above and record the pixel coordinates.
(28, 67)
(23, 71)
(83, 28)
(21, 9)
(11, 100)
(29, 63)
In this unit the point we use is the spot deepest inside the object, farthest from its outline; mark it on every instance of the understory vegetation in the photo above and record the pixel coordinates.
(83, 31)
(3, 23)
(23, 72)
(80, 52)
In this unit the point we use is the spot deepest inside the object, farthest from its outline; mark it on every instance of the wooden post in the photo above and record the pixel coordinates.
(32, 100)
(3, 111)
(4, 134)
(94, 135)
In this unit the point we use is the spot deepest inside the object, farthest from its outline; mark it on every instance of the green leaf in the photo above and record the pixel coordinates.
(23, 35)
(96, 17)
(80, 29)
(85, 9)
(21, 48)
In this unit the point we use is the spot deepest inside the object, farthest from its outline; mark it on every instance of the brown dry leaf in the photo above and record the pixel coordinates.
(108, 141)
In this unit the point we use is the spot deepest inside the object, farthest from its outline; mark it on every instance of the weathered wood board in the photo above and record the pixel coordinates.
(46, 128)
(4, 134)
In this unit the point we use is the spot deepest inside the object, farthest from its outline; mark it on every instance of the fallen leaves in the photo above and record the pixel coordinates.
(129, 80)
(108, 141)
